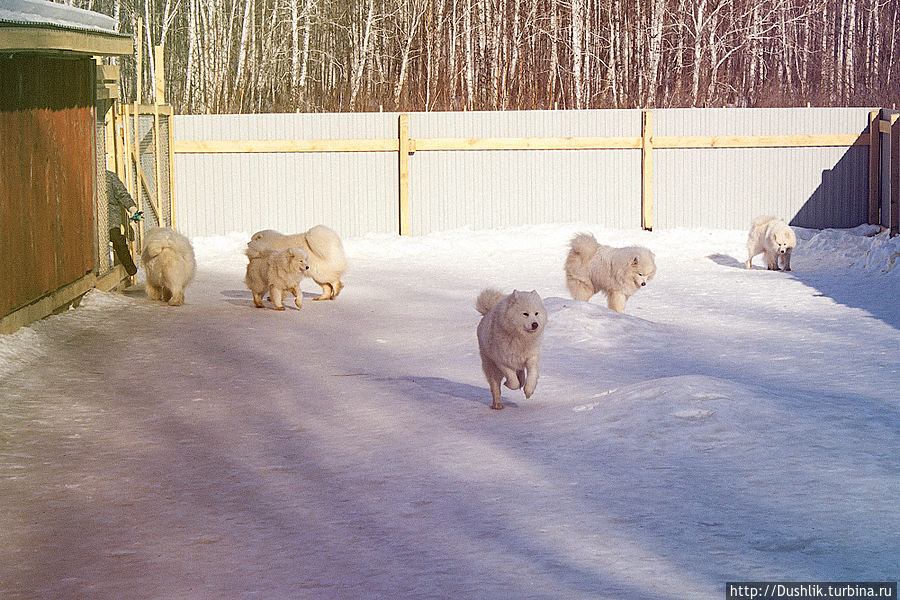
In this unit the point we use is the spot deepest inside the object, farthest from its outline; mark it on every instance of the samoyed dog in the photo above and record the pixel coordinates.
(774, 238)
(276, 272)
(168, 260)
(325, 254)
(509, 339)
(617, 272)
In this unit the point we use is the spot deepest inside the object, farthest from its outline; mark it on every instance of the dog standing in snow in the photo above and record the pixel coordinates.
(509, 339)
(325, 255)
(774, 238)
(617, 272)
(275, 272)
(168, 260)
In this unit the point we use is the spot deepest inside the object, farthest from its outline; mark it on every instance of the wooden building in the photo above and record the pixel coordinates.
(52, 163)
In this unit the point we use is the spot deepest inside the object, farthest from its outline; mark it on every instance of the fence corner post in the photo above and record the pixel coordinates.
(647, 170)
(894, 197)
(403, 174)
(874, 166)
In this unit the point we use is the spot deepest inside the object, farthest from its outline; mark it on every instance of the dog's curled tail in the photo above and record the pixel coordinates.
(488, 299)
(585, 245)
(759, 221)
(326, 245)
(157, 241)
(258, 249)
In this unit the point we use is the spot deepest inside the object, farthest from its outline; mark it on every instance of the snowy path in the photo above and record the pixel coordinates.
(731, 426)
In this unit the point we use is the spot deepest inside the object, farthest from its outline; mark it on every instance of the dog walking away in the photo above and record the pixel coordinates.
(509, 339)
(774, 238)
(325, 255)
(617, 272)
(275, 272)
(168, 261)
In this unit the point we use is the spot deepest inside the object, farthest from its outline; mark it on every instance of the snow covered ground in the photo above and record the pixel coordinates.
(732, 425)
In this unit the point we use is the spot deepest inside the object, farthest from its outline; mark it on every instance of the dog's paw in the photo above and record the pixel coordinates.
(278, 308)
(497, 406)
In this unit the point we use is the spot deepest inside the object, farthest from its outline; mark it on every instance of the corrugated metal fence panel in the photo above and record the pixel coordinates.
(727, 188)
(488, 189)
(354, 193)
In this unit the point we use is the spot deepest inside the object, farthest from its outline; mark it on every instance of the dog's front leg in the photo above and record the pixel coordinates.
(616, 301)
(276, 295)
(512, 378)
(771, 261)
(298, 296)
(532, 366)
(786, 260)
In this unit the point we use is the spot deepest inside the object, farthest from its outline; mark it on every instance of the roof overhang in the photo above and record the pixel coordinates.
(47, 27)
(37, 39)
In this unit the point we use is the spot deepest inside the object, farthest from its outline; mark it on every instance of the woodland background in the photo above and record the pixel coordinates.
(233, 56)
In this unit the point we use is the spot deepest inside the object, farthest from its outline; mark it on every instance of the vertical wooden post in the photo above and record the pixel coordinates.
(159, 82)
(159, 97)
(171, 120)
(403, 175)
(874, 166)
(647, 170)
(894, 199)
(136, 137)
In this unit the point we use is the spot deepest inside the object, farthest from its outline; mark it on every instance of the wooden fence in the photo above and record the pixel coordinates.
(882, 199)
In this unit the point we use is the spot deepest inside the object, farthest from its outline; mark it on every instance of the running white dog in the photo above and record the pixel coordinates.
(774, 238)
(276, 272)
(325, 255)
(168, 260)
(509, 339)
(617, 272)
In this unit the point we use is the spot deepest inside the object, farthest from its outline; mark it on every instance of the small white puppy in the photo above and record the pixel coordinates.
(509, 340)
(276, 272)
(168, 261)
(774, 238)
(325, 255)
(617, 272)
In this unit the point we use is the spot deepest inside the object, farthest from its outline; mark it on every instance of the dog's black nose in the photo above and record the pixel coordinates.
(534, 325)
(643, 283)
(307, 267)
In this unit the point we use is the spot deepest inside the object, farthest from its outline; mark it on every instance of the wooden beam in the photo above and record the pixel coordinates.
(487, 144)
(874, 167)
(255, 146)
(647, 170)
(403, 176)
(894, 198)
(554, 143)
(48, 304)
(21, 39)
(761, 141)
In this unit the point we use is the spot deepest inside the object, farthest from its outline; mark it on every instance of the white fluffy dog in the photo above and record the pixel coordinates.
(617, 272)
(509, 339)
(774, 238)
(168, 260)
(276, 272)
(325, 253)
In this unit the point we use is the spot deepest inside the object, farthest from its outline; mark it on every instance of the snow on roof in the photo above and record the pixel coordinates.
(49, 14)
(42, 26)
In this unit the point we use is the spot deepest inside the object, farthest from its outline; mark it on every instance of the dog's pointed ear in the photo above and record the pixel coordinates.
(635, 261)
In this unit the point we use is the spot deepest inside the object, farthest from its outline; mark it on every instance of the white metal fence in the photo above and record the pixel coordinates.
(385, 172)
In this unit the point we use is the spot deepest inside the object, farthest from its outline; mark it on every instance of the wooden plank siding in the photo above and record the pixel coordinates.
(46, 176)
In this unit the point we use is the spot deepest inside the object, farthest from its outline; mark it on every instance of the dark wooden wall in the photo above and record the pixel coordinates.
(46, 176)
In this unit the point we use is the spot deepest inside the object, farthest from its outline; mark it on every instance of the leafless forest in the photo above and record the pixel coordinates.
(228, 56)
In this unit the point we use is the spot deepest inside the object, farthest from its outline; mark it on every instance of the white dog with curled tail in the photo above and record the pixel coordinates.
(168, 261)
(509, 340)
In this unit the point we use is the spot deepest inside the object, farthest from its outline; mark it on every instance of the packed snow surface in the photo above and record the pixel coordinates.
(733, 425)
